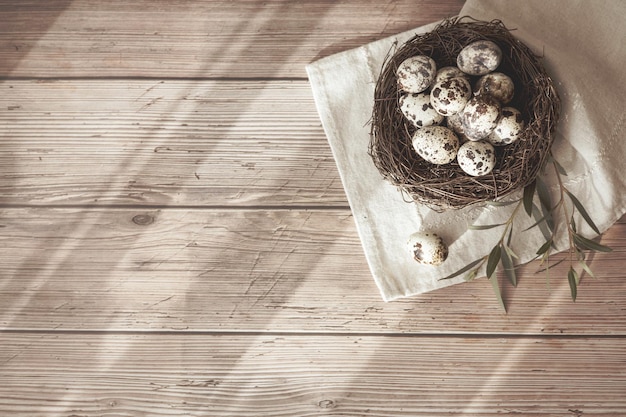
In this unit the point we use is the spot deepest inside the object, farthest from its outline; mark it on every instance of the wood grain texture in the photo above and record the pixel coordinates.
(216, 38)
(265, 271)
(268, 375)
(167, 143)
(175, 239)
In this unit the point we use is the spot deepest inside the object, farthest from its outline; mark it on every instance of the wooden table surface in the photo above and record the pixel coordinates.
(176, 241)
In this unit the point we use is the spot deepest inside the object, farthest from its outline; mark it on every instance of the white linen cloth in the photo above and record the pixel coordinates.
(584, 50)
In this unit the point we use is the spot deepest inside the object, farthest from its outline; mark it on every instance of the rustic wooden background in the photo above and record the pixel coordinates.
(175, 239)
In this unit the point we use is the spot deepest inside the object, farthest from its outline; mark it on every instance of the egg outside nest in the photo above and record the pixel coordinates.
(427, 248)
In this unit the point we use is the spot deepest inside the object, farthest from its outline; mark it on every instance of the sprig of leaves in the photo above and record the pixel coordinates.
(578, 244)
(501, 254)
(544, 215)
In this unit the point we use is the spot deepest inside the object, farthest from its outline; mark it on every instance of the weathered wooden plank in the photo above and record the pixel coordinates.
(250, 270)
(287, 375)
(216, 38)
(147, 142)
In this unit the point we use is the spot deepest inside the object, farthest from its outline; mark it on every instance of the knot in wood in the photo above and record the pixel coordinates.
(327, 404)
(143, 219)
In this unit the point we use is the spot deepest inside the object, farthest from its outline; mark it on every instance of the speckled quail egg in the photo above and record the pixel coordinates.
(427, 248)
(476, 158)
(479, 58)
(436, 144)
(480, 116)
(496, 84)
(416, 74)
(418, 110)
(509, 127)
(446, 73)
(450, 96)
(454, 123)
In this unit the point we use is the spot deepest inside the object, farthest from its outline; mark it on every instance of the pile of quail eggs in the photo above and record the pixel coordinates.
(453, 119)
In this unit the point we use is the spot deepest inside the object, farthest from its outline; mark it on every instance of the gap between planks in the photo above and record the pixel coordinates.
(304, 333)
(166, 78)
(125, 207)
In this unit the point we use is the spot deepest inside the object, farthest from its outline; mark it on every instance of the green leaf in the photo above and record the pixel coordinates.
(548, 266)
(510, 237)
(471, 275)
(572, 223)
(508, 266)
(587, 269)
(511, 253)
(583, 212)
(529, 193)
(464, 269)
(544, 248)
(538, 222)
(559, 167)
(496, 289)
(544, 195)
(484, 226)
(589, 244)
(572, 278)
(543, 226)
(546, 204)
(494, 258)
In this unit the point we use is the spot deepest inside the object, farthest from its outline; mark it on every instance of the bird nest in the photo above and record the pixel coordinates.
(447, 186)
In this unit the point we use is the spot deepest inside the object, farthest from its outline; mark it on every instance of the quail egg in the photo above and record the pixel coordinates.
(480, 116)
(454, 123)
(476, 158)
(450, 96)
(416, 74)
(496, 84)
(427, 248)
(446, 73)
(509, 127)
(436, 144)
(479, 58)
(418, 110)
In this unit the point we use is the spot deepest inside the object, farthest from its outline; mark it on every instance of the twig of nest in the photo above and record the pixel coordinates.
(447, 186)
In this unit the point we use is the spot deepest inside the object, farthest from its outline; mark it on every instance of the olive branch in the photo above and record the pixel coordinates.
(501, 255)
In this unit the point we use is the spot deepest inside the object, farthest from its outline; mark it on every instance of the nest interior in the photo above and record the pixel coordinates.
(447, 186)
